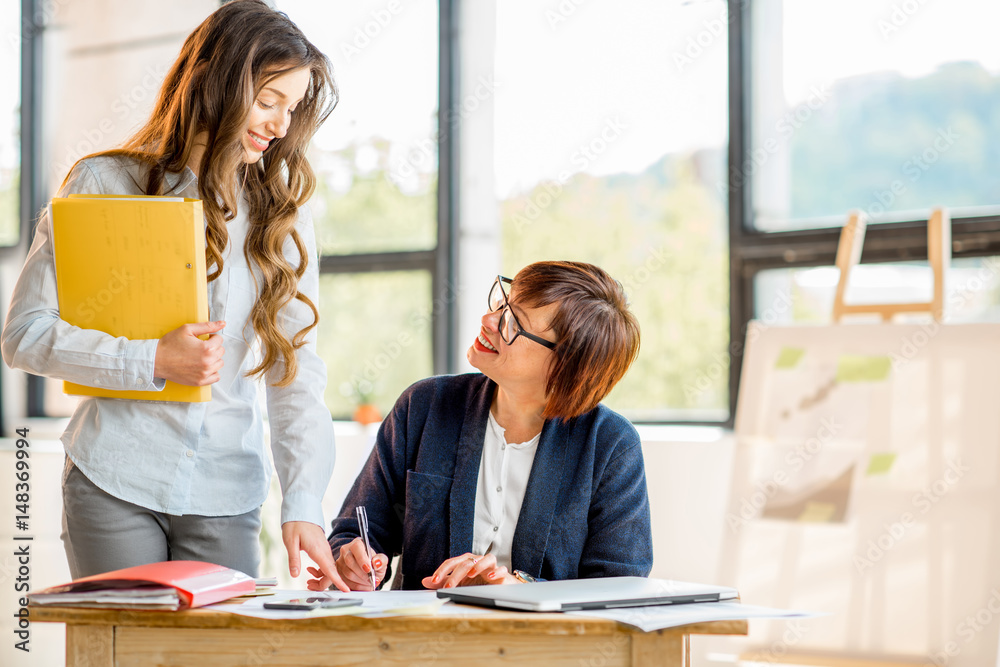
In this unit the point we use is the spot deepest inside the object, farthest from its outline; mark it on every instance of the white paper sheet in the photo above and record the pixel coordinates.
(374, 605)
(671, 616)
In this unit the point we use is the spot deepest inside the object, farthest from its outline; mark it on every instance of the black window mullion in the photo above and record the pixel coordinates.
(740, 294)
(440, 262)
(444, 315)
(886, 242)
(32, 191)
(421, 260)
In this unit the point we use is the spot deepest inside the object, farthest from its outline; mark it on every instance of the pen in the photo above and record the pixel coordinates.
(363, 529)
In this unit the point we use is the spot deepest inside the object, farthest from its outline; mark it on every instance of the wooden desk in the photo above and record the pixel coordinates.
(102, 638)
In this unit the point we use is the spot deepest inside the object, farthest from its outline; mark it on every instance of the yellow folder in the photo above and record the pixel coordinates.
(131, 266)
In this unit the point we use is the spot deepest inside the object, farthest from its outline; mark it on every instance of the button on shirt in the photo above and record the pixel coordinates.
(181, 458)
(503, 479)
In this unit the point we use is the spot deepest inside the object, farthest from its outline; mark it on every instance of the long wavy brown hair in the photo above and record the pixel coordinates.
(210, 91)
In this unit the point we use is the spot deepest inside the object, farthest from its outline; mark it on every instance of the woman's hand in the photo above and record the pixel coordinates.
(304, 536)
(184, 358)
(353, 565)
(469, 570)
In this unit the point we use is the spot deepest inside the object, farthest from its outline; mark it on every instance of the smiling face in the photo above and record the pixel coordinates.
(521, 367)
(272, 112)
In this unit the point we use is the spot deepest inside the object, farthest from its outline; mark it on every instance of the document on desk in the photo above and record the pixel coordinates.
(659, 617)
(374, 605)
(176, 584)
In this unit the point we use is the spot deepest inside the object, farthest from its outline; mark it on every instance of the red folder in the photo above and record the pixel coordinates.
(197, 583)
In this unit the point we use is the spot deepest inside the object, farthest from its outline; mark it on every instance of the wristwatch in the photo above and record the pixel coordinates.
(524, 577)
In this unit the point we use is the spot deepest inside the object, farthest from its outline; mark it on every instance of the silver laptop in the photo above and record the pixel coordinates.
(576, 594)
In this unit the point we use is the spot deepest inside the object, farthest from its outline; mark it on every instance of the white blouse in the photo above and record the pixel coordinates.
(181, 458)
(503, 479)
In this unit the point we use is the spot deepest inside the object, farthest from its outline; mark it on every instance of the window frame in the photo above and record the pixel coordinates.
(752, 251)
(30, 57)
(442, 260)
(31, 193)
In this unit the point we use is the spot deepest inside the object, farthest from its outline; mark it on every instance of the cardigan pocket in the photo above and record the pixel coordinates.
(425, 525)
(426, 497)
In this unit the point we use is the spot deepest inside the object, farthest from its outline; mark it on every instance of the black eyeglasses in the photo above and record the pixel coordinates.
(509, 327)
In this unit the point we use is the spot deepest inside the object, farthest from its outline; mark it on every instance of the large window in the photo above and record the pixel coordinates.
(883, 106)
(612, 144)
(805, 295)
(610, 148)
(880, 106)
(375, 206)
(10, 125)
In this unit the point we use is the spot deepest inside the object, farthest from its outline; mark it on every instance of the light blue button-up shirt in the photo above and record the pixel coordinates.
(181, 458)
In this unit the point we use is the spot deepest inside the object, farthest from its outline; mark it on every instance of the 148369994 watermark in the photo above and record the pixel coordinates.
(22, 541)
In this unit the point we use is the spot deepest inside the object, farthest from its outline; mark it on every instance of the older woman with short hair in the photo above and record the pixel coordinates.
(517, 473)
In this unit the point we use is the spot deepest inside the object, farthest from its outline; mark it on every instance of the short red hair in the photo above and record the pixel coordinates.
(597, 335)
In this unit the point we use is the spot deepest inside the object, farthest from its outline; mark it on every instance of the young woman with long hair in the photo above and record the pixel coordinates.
(147, 481)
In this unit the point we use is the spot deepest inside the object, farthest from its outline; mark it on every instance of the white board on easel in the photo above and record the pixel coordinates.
(867, 484)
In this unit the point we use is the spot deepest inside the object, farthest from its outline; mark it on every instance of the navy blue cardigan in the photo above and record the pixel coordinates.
(585, 511)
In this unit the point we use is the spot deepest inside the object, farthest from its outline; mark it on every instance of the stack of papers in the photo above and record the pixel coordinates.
(146, 597)
(177, 584)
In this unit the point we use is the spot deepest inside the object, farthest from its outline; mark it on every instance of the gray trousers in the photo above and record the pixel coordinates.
(103, 533)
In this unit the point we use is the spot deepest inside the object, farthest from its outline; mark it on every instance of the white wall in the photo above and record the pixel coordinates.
(105, 61)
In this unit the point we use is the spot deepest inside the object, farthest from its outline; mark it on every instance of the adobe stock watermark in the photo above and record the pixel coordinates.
(709, 375)
(898, 17)
(912, 344)
(430, 651)
(751, 506)
(913, 169)
(562, 12)
(264, 655)
(422, 154)
(365, 34)
(985, 274)
(656, 259)
(94, 305)
(583, 157)
(608, 649)
(390, 351)
(712, 31)
(8, 570)
(784, 128)
(121, 109)
(922, 502)
(42, 16)
(966, 631)
(775, 652)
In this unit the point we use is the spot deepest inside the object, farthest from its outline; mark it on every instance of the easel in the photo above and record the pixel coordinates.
(940, 604)
(852, 237)
(935, 408)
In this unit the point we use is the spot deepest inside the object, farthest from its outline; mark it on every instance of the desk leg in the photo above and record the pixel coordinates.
(658, 649)
(90, 646)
